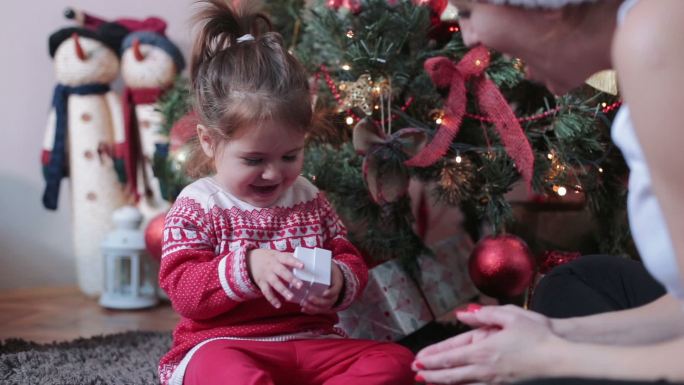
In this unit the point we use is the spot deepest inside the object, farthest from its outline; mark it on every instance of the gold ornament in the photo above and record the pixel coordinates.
(605, 81)
(454, 180)
(557, 170)
(519, 65)
(363, 93)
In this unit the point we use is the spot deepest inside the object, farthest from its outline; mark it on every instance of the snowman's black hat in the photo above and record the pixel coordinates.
(110, 34)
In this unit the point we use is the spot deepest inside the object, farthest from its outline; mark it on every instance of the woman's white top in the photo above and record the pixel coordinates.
(646, 221)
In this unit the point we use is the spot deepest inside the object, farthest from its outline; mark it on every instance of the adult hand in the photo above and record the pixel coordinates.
(325, 302)
(272, 270)
(509, 344)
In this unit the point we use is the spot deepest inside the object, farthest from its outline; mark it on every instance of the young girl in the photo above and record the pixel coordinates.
(563, 42)
(228, 239)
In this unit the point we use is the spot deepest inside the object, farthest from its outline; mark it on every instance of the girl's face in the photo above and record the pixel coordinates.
(538, 37)
(259, 163)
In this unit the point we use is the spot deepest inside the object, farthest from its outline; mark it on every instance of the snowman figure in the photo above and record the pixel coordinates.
(81, 124)
(150, 63)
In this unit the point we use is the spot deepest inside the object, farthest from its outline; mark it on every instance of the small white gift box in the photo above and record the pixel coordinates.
(315, 275)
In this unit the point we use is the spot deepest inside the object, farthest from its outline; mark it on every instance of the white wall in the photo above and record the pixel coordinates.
(35, 244)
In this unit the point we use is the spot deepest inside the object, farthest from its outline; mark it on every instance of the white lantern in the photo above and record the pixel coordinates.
(130, 279)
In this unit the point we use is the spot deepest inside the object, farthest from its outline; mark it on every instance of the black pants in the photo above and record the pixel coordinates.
(590, 285)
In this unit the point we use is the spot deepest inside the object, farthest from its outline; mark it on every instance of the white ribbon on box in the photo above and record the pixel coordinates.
(315, 275)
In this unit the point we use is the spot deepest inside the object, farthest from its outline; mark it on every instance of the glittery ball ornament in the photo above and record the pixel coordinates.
(501, 266)
(153, 236)
(353, 5)
(437, 6)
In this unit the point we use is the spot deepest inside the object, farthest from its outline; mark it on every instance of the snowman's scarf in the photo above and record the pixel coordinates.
(54, 172)
(132, 147)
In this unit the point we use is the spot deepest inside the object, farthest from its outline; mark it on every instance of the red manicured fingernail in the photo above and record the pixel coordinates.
(470, 308)
(419, 365)
(419, 378)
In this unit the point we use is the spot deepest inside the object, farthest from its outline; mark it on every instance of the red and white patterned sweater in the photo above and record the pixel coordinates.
(204, 270)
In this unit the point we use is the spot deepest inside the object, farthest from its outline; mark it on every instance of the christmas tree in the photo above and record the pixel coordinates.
(406, 94)
(404, 98)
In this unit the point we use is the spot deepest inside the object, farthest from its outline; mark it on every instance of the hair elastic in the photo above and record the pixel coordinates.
(245, 37)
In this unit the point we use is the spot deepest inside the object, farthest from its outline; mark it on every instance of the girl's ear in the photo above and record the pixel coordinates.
(206, 141)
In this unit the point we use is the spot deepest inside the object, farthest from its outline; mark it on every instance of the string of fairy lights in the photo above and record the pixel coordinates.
(373, 89)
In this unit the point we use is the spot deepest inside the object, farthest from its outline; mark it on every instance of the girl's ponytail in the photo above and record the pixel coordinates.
(241, 80)
(221, 24)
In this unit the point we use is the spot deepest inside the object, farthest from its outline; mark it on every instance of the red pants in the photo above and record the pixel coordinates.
(300, 362)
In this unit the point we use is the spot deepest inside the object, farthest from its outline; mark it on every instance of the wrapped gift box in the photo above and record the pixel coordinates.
(315, 275)
(390, 308)
(443, 277)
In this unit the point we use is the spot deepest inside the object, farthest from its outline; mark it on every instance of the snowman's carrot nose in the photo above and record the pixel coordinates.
(79, 50)
(136, 50)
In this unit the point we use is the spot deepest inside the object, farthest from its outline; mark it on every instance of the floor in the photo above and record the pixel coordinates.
(47, 315)
(59, 314)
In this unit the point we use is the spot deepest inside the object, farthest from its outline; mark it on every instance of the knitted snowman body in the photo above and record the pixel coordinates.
(149, 66)
(90, 118)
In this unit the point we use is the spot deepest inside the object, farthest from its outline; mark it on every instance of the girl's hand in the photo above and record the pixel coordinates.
(509, 344)
(323, 304)
(272, 270)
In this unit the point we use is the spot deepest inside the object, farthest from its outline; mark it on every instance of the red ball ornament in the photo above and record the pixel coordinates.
(153, 236)
(501, 266)
(437, 7)
(353, 5)
(183, 130)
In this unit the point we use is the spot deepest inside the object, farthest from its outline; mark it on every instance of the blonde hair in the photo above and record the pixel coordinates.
(239, 79)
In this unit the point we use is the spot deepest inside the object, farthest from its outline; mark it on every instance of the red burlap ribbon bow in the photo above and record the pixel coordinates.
(390, 183)
(445, 73)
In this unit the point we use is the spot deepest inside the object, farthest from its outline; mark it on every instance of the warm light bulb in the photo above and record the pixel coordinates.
(438, 120)
(350, 120)
(346, 67)
(459, 159)
(350, 34)
(550, 156)
(600, 169)
(562, 191)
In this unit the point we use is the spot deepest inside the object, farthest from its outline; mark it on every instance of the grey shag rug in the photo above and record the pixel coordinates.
(118, 359)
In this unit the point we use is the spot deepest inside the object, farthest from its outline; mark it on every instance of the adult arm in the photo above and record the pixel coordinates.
(660, 320)
(649, 57)
(511, 344)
